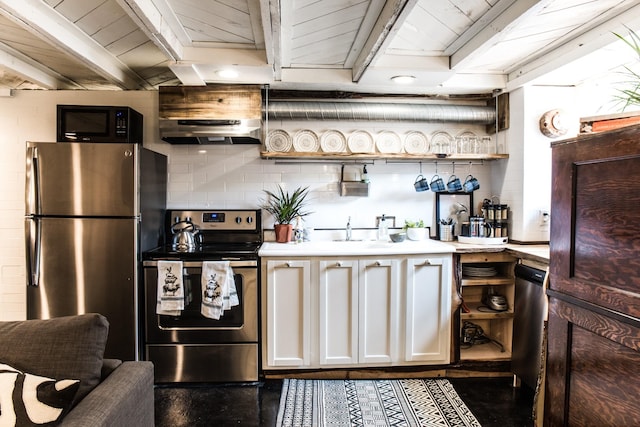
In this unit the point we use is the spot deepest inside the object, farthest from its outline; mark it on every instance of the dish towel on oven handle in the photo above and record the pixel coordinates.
(218, 289)
(170, 288)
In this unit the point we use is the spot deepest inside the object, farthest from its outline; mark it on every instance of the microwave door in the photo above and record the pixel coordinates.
(81, 179)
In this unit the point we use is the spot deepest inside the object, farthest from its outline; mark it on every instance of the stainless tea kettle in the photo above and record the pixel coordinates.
(184, 235)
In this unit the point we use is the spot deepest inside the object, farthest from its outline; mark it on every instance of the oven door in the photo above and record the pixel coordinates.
(239, 324)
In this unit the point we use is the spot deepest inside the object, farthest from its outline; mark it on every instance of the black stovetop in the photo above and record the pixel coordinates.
(210, 252)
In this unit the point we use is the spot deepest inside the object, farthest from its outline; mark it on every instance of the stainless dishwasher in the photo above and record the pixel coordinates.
(530, 315)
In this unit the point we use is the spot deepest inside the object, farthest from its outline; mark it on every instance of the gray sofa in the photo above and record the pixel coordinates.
(79, 387)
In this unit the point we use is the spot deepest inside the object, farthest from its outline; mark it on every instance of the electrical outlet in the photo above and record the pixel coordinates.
(544, 218)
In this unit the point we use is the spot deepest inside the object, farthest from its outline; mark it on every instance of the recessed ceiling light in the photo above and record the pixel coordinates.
(403, 80)
(227, 74)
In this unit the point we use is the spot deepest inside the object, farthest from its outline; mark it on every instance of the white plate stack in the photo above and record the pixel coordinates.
(471, 270)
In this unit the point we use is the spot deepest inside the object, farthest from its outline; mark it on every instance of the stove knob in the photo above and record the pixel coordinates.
(249, 219)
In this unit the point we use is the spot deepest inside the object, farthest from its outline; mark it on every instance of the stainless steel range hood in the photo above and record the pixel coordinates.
(213, 114)
(210, 131)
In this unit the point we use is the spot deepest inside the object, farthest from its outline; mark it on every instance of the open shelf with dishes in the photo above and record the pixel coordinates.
(487, 287)
(359, 144)
(373, 156)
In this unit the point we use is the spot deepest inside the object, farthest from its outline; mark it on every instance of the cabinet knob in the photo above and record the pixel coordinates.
(287, 264)
(339, 264)
(378, 263)
(427, 262)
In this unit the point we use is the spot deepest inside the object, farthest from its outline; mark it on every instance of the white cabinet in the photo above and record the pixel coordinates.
(288, 312)
(358, 311)
(338, 312)
(325, 312)
(428, 309)
(378, 310)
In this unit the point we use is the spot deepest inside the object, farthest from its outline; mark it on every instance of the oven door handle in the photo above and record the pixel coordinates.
(186, 264)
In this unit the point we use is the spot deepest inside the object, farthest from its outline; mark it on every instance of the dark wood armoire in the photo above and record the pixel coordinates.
(593, 361)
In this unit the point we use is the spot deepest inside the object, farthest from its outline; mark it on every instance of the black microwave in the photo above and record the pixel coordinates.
(93, 123)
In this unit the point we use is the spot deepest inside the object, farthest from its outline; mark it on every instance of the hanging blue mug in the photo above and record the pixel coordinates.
(421, 183)
(437, 184)
(471, 184)
(454, 184)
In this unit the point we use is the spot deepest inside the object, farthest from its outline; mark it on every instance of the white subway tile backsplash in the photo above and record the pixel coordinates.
(264, 177)
(236, 194)
(180, 177)
(177, 167)
(232, 188)
(177, 199)
(184, 187)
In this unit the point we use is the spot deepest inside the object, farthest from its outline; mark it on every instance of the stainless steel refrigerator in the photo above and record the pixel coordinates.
(91, 209)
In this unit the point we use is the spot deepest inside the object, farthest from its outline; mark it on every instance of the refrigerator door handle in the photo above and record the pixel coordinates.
(32, 195)
(32, 231)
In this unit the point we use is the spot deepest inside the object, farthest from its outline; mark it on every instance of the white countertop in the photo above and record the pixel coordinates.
(541, 252)
(363, 247)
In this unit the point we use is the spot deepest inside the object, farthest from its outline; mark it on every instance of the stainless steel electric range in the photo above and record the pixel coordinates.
(186, 346)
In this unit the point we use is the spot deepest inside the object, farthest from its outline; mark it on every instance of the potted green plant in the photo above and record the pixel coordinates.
(415, 229)
(630, 95)
(285, 208)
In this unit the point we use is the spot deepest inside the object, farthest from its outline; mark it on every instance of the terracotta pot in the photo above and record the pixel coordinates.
(283, 232)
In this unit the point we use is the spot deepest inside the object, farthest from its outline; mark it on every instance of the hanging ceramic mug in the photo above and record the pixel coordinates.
(470, 184)
(454, 184)
(421, 183)
(437, 184)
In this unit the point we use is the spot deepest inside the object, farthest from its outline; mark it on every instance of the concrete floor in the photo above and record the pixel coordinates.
(493, 401)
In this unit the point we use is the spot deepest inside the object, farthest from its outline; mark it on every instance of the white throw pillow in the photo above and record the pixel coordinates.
(30, 400)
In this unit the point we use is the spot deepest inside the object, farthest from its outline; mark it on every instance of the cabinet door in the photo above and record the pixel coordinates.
(428, 310)
(288, 312)
(592, 366)
(338, 312)
(594, 230)
(378, 310)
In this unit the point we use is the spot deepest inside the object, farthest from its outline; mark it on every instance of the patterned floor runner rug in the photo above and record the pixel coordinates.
(348, 403)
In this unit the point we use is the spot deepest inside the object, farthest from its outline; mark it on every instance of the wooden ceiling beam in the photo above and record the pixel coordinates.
(42, 20)
(364, 32)
(19, 64)
(157, 20)
(285, 31)
(392, 16)
(256, 17)
(273, 26)
(588, 42)
(485, 33)
(187, 74)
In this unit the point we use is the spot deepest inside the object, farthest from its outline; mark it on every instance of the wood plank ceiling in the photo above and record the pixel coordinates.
(449, 46)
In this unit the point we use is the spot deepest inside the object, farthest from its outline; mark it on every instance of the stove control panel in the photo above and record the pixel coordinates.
(231, 220)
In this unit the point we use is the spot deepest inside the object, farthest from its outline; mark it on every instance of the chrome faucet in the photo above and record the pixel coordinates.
(348, 229)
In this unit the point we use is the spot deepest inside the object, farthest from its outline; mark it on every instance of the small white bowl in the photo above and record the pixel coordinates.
(416, 233)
